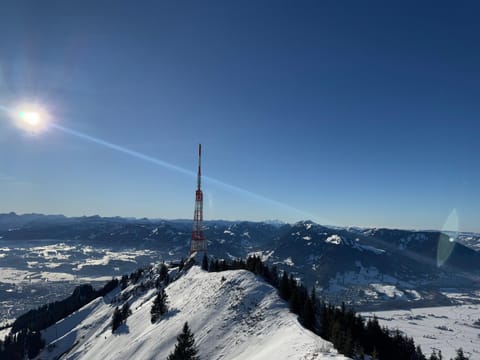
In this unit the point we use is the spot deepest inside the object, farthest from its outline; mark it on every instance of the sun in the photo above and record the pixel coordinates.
(33, 119)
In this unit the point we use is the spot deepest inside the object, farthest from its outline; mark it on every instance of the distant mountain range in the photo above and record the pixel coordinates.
(366, 267)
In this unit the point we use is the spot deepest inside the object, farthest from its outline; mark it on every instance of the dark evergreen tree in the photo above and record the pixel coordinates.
(34, 343)
(358, 353)
(211, 266)
(274, 276)
(116, 319)
(185, 349)
(460, 355)
(163, 272)
(436, 356)
(348, 344)
(135, 276)
(284, 287)
(292, 283)
(419, 354)
(313, 296)
(120, 316)
(294, 302)
(126, 312)
(159, 306)
(308, 315)
(205, 262)
(124, 282)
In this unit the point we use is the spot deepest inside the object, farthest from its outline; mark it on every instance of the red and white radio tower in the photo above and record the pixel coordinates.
(199, 244)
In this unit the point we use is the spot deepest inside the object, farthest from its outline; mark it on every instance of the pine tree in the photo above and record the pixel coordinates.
(358, 353)
(313, 296)
(211, 266)
(124, 282)
(159, 306)
(308, 315)
(460, 355)
(419, 353)
(295, 303)
(126, 312)
(163, 272)
(185, 349)
(436, 356)
(205, 262)
(116, 319)
(284, 288)
(120, 316)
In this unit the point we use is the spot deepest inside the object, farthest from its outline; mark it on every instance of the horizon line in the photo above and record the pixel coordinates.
(239, 221)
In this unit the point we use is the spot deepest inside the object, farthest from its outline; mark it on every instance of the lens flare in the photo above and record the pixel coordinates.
(448, 236)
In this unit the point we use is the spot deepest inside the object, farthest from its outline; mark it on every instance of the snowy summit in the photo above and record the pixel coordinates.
(232, 314)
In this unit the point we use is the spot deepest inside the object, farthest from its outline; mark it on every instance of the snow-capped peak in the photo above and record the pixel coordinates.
(233, 315)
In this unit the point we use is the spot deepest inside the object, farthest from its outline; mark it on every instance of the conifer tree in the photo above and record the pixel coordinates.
(313, 296)
(419, 353)
(185, 349)
(124, 282)
(163, 272)
(308, 314)
(126, 312)
(460, 355)
(211, 266)
(294, 302)
(435, 356)
(120, 316)
(284, 288)
(159, 306)
(205, 262)
(116, 319)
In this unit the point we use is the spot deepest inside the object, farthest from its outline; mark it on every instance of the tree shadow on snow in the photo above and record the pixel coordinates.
(122, 329)
(170, 313)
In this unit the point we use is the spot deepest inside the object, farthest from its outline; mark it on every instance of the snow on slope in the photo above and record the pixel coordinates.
(441, 328)
(237, 317)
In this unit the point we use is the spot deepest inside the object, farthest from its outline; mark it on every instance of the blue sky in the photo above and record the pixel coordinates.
(347, 113)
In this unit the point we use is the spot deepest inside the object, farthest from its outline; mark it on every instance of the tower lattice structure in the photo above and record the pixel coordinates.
(198, 244)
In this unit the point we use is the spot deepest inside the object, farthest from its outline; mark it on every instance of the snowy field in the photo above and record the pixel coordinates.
(442, 328)
(232, 314)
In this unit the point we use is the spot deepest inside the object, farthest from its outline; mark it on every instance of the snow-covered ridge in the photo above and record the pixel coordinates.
(233, 314)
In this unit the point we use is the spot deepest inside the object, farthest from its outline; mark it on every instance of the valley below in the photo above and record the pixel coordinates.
(438, 328)
(36, 272)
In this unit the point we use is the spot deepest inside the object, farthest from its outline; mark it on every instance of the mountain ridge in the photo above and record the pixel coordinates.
(233, 314)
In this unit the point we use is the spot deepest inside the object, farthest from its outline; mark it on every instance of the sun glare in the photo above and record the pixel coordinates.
(31, 118)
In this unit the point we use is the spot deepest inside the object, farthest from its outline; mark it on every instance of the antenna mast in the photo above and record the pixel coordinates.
(198, 244)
